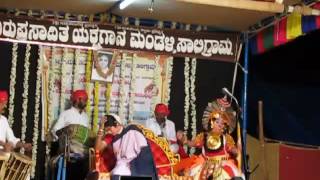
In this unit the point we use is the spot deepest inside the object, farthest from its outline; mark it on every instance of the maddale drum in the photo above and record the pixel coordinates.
(18, 167)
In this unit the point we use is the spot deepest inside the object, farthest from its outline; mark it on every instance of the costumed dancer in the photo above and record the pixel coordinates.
(8, 141)
(219, 151)
(163, 127)
(71, 129)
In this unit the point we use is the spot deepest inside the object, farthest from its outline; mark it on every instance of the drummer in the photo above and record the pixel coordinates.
(76, 115)
(8, 141)
(69, 121)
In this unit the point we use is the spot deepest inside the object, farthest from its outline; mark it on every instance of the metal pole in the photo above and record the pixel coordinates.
(244, 104)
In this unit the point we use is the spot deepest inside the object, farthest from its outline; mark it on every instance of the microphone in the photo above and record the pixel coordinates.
(225, 91)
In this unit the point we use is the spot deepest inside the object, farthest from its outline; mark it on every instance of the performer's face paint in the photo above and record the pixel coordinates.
(218, 126)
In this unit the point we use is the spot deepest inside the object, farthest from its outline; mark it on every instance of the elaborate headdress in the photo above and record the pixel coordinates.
(219, 109)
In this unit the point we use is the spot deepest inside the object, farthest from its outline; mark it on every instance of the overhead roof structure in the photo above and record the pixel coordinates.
(231, 15)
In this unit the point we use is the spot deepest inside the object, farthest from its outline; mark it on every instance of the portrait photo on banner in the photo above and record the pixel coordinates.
(102, 69)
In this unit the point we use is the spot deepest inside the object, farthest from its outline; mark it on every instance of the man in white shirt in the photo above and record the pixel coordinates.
(72, 130)
(73, 116)
(8, 141)
(162, 126)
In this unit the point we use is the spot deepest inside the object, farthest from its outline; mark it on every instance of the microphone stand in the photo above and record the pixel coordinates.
(244, 154)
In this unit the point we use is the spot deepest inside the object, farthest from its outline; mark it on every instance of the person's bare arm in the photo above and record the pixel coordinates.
(2, 143)
(100, 143)
(26, 146)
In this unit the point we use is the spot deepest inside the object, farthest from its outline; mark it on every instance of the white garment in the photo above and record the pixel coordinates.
(68, 117)
(127, 148)
(6, 133)
(169, 132)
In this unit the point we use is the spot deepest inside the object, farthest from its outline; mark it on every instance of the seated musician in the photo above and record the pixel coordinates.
(130, 147)
(219, 151)
(8, 141)
(161, 126)
(71, 129)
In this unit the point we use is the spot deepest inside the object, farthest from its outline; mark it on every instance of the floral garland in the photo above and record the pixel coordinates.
(132, 87)
(25, 94)
(108, 96)
(89, 84)
(193, 100)
(63, 79)
(13, 82)
(156, 78)
(96, 107)
(52, 78)
(186, 90)
(169, 76)
(76, 69)
(36, 116)
(109, 85)
(50, 114)
(122, 87)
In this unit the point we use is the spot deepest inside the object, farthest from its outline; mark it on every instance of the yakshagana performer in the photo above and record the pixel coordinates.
(219, 151)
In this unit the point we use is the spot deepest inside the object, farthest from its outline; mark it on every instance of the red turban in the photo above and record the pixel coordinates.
(79, 94)
(3, 96)
(163, 109)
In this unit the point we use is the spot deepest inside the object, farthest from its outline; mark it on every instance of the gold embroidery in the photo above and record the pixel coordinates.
(213, 141)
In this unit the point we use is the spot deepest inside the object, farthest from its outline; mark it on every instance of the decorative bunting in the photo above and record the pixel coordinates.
(268, 38)
(260, 43)
(280, 35)
(253, 45)
(308, 23)
(286, 29)
(294, 26)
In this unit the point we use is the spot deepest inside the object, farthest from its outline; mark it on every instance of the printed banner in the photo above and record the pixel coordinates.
(150, 74)
(218, 46)
(64, 70)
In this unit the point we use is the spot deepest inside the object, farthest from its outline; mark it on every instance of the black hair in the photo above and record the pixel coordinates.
(111, 121)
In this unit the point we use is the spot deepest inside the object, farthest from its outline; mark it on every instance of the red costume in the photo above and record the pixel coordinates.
(106, 159)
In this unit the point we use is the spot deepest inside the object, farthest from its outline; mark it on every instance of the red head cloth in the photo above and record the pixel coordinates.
(3, 96)
(79, 94)
(163, 109)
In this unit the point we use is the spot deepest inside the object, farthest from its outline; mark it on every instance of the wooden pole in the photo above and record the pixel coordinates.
(262, 6)
(262, 142)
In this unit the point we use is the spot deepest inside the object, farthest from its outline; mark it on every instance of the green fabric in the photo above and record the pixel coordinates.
(80, 134)
(268, 41)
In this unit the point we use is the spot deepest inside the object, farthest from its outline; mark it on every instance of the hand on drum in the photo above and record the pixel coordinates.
(8, 147)
(27, 147)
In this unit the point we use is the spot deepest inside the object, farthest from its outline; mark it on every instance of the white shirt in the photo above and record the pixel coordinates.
(6, 133)
(68, 117)
(169, 132)
(127, 148)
